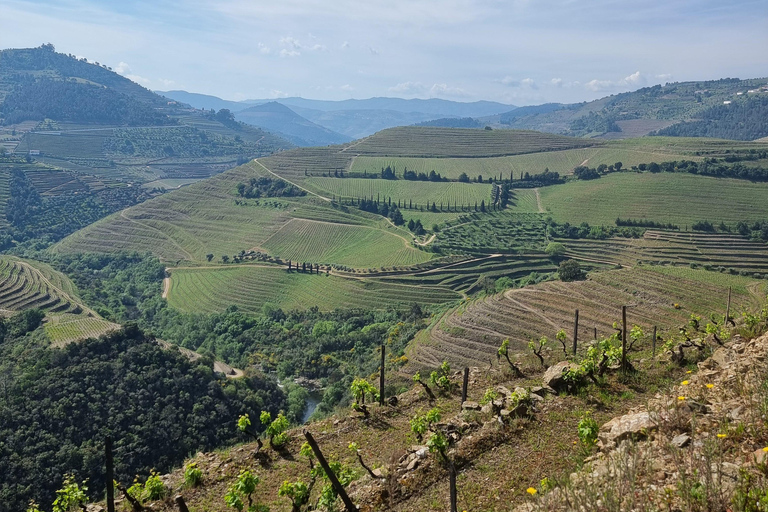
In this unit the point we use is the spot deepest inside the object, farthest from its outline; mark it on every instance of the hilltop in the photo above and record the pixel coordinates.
(281, 120)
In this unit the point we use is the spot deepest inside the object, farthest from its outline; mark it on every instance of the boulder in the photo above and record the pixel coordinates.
(553, 377)
(470, 406)
(629, 426)
(681, 440)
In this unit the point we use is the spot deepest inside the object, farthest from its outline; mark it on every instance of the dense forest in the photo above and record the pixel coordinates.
(57, 404)
(745, 119)
(268, 187)
(70, 100)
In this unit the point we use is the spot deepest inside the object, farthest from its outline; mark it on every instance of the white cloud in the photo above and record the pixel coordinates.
(408, 88)
(345, 45)
(347, 87)
(290, 42)
(634, 80)
(264, 49)
(509, 81)
(122, 68)
(446, 90)
(373, 50)
(165, 82)
(557, 82)
(664, 77)
(275, 93)
(289, 53)
(146, 82)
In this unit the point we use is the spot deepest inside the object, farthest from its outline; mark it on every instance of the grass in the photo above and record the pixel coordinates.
(418, 192)
(250, 288)
(5, 192)
(66, 328)
(496, 232)
(330, 243)
(681, 199)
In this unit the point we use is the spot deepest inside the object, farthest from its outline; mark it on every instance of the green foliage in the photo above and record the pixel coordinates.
(71, 496)
(555, 249)
(185, 408)
(275, 429)
(243, 489)
(421, 424)
(587, 430)
(570, 270)
(153, 487)
(328, 496)
(193, 475)
(438, 443)
(298, 492)
(440, 377)
(489, 396)
(244, 422)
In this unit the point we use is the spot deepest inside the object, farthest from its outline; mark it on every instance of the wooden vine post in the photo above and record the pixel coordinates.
(728, 309)
(465, 385)
(654, 341)
(181, 503)
(624, 338)
(110, 474)
(575, 331)
(381, 378)
(350, 507)
(454, 505)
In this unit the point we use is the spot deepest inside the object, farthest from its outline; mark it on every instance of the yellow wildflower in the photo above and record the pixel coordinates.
(531, 491)
(721, 436)
(684, 383)
(710, 386)
(689, 371)
(681, 398)
(765, 449)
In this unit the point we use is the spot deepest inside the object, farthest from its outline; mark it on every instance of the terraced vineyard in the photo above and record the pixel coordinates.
(331, 243)
(250, 288)
(453, 142)
(471, 333)
(681, 199)
(416, 192)
(5, 193)
(722, 252)
(26, 284)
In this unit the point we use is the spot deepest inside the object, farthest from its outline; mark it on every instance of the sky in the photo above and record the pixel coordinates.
(521, 52)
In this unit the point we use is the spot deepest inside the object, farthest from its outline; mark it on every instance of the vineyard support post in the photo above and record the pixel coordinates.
(595, 333)
(331, 475)
(728, 309)
(465, 385)
(181, 503)
(454, 506)
(624, 338)
(654, 341)
(575, 331)
(110, 474)
(381, 378)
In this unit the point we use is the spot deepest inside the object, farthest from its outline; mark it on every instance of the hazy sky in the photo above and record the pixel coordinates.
(514, 51)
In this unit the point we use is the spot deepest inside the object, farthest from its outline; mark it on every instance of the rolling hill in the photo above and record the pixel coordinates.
(281, 120)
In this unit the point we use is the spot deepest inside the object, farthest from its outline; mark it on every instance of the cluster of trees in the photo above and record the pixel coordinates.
(57, 404)
(528, 180)
(745, 119)
(431, 176)
(70, 100)
(48, 219)
(416, 227)
(594, 123)
(383, 208)
(710, 167)
(268, 187)
(584, 230)
(644, 223)
(757, 230)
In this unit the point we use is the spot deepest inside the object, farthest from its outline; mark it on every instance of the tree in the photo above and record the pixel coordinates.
(209, 257)
(570, 270)
(617, 166)
(555, 249)
(463, 178)
(225, 259)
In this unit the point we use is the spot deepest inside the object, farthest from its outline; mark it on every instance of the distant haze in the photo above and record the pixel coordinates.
(515, 52)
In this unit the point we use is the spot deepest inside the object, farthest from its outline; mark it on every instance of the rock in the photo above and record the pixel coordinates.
(503, 390)
(486, 409)
(697, 407)
(737, 413)
(553, 377)
(93, 507)
(505, 413)
(634, 426)
(378, 473)
(723, 357)
(536, 398)
(470, 406)
(392, 401)
(542, 391)
(760, 455)
(413, 464)
(521, 391)
(681, 440)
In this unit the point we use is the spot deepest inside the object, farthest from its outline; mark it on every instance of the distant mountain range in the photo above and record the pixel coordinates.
(283, 121)
(352, 119)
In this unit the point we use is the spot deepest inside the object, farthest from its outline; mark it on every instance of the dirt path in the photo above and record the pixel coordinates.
(508, 295)
(538, 201)
(166, 286)
(429, 241)
(291, 182)
(584, 162)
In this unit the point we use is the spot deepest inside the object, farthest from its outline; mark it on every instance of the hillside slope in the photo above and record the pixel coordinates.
(283, 121)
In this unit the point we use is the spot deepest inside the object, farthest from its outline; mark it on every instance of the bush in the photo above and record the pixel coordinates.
(570, 270)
